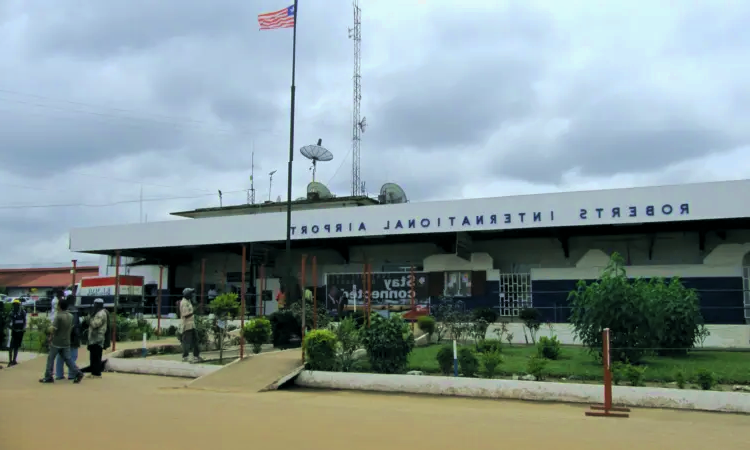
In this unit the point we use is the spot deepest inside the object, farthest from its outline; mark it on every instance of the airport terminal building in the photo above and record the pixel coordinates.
(506, 252)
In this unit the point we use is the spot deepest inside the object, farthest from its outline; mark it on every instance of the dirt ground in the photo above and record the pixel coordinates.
(135, 411)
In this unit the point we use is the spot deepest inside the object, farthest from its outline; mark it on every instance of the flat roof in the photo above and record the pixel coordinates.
(265, 207)
(643, 205)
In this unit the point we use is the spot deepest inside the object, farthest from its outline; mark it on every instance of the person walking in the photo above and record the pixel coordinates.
(60, 344)
(75, 341)
(17, 330)
(98, 326)
(189, 334)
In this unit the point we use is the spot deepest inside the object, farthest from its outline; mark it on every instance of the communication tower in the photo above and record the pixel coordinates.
(358, 124)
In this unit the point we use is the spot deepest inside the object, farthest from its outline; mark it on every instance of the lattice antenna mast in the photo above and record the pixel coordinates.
(358, 123)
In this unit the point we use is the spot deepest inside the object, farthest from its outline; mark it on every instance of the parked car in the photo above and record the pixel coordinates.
(43, 304)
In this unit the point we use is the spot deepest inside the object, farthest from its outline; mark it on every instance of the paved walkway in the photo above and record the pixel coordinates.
(252, 374)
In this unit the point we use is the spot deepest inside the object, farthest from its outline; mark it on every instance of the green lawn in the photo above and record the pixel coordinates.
(576, 364)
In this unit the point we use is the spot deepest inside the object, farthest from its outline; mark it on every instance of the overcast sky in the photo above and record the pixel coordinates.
(100, 99)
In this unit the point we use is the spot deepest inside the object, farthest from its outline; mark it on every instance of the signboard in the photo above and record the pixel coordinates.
(390, 290)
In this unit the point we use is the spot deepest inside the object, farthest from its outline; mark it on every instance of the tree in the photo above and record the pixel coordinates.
(222, 307)
(641, 315)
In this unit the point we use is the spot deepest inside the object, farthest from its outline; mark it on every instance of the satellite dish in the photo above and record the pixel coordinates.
(392, 193)
(319, 190)
(316, 153)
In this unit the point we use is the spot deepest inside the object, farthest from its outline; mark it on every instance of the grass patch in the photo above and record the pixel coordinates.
(575, 363)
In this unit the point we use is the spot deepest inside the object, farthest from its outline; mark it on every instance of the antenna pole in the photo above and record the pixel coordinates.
(252, 180)
(270, 185)
(357, 124)
(140, 206)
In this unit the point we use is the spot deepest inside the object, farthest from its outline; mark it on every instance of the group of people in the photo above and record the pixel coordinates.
(64, 338)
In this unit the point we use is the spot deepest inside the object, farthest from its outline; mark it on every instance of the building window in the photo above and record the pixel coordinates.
(746, 289)
(515, 293)
(458, 284)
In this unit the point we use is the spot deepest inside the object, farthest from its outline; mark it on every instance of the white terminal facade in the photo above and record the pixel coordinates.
(504, 252)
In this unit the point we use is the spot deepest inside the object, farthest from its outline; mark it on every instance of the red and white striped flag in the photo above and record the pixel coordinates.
(283, 18)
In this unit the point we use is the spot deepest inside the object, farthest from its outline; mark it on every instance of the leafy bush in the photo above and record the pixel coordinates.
(640, 314)
(538, 367)
(134, 334)
(706, 379)
(634, 374)
(489, 315)
(548, 348)
(320, 350)
(532, 320)
(41, 325)
(427, 325)
(172, 330)
(680, 379)
(123, 326)
(490, 361)
(490, 346)
(144, 326)
(618, 372)
(677, 314)
(445, 359)
(285, 327)
(388, 343)
(468, 362)
(224, 305)
(348, 339)
(257, 332)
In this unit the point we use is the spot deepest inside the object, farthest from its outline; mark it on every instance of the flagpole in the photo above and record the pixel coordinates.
(291, 159)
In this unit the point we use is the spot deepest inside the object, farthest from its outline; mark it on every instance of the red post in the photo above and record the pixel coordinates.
(73, 275)
(315, 291)
(304, 304)
(369, 293)
(158, 301)
(117, 299)
(413, 300)
(364, 289)
(606, 409)
(242, 301)
(203, 282)
(262, 288)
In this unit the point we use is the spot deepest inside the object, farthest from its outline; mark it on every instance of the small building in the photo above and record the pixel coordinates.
(506, 252)
(41, 281)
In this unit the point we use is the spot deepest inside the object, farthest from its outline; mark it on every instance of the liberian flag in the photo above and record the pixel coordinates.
(283, 18)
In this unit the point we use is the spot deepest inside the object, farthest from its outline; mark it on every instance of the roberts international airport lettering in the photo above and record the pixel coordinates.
(530, 219)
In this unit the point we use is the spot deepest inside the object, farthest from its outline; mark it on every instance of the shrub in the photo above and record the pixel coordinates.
(388, 343)
(613, 301)
(320, 350)
(144, 326)
(490, 361)
(634, 374)
(445, 359)
(123, 327)
(538, 367)
(172, 330)
(468, 362)
(680, 379)
(706, 379)
(427, 325)
(489, 315)
(676, 310)
(257, 332)
(618, 372)
(224, 305)
(285, 327)
(41, 325)
(347, 336)
(532, 320)
(490, 346)
(640, 314)
(548, 348)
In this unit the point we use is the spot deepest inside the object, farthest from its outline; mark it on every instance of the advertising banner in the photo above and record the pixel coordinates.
(391, 291)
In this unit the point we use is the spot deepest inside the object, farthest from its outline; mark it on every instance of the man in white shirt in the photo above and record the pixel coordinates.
(53, 306)
(189, 334)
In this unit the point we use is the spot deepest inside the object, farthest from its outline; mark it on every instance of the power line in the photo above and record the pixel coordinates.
(174, 122)
(122, 202)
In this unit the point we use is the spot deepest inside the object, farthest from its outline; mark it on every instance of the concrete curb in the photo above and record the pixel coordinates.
(275, 385)
(159, 367)
(528, 390)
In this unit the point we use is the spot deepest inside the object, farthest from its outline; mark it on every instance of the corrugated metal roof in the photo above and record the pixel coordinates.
(43, 278)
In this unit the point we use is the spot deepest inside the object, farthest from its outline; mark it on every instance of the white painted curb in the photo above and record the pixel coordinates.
(159, 367)
(529, 390)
